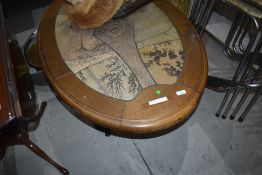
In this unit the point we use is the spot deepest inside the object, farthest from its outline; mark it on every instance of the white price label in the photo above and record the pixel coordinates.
(182, 92)
(157, 101)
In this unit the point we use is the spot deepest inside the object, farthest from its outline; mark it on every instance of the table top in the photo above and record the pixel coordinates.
(140, 74)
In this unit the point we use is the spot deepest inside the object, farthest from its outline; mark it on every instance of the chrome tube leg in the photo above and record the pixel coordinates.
(193, 11)
(223, 103)
(241, 102)
(236, 76)
(235, 46)
(201, 15)
(250, 105)
(228, 92)
(246, 93)
(228, 53)
(232, 100)
(247, 27)
(198, 7)
(251, 62)
(206, 17)
(246, 57)
(231, 35)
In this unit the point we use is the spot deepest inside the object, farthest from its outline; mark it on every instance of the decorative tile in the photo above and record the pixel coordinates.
(164, 61)
(112, 77)
(124, 56)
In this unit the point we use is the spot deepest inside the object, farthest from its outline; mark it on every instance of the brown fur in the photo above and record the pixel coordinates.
(93, 13)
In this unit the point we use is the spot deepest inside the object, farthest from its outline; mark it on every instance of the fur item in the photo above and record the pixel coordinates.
(92, 13)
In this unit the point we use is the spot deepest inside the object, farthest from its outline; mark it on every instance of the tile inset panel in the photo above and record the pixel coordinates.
(124, 56)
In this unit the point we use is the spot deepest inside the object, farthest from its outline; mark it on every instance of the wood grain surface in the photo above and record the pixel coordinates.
(6, 102)
(135, 115)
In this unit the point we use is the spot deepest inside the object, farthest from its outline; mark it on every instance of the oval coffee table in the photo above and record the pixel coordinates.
(141, 74)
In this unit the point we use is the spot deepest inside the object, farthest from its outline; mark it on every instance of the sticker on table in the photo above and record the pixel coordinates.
(157, 101)
(182, 92)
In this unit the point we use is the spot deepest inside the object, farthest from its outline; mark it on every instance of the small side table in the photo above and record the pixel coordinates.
(140, 75)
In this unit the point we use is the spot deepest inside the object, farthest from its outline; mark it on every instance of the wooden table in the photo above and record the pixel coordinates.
(111, 74)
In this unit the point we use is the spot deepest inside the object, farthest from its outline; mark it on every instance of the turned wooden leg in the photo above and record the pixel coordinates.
(22, 138)
(14, 134)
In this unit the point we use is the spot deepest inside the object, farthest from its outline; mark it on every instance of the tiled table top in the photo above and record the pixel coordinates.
(123, 56)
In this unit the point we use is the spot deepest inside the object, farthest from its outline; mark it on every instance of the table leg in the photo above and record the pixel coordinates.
(14, 134)
(22, 138)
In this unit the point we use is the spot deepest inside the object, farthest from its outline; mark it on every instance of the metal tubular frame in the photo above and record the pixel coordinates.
(234, 49)
(250, 105)
(200, 13)
(244, 97)
(244, 75)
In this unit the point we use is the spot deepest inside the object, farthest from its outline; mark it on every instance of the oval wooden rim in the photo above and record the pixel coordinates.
(95, 107)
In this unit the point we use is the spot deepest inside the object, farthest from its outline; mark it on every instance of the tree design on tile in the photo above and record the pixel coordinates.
(171, 70)
(162, 51)
(155, 56)
(172, 54)
(119, 79)
(119, 35)
(114, 77)
(134, 86)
